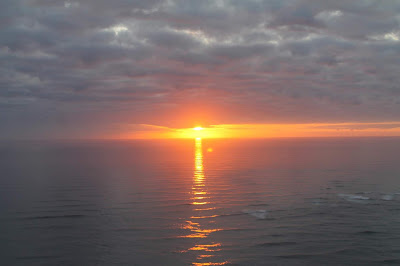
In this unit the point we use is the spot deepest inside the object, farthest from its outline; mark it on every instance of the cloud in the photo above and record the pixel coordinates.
(180, 62)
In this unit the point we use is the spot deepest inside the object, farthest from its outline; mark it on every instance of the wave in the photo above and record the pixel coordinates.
(387, 197)
(391, 261)
(284, 243)
(39, 257)
(353, 198)
(50, 227)
(295, 256)
(368, 232)
(259, 204)
(259, 214)
(53, 217)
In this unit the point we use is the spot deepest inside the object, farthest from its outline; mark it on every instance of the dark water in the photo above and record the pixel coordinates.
(203, 202)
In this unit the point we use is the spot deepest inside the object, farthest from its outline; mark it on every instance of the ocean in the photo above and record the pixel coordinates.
(322, 201)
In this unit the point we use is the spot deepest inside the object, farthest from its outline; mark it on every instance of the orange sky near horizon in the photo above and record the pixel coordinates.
(265, 130)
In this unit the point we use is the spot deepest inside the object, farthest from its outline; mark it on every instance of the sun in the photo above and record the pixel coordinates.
(197, 132)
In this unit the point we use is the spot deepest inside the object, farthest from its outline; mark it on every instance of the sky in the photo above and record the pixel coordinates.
(122, 69)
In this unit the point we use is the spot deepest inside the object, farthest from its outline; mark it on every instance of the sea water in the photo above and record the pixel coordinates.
(324, 201)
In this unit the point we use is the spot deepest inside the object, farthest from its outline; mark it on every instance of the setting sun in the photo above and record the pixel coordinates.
(197, 132)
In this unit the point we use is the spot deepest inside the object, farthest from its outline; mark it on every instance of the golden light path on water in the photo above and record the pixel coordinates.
(205, 251)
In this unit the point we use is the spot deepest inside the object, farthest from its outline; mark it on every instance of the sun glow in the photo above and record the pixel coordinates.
(198, 132)
(348, 129)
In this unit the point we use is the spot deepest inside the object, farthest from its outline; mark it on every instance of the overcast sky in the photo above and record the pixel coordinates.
(99, 66)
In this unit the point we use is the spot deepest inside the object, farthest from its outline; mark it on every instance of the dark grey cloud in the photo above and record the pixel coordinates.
(74, 67)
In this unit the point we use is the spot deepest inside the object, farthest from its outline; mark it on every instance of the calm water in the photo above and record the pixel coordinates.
(201, 202)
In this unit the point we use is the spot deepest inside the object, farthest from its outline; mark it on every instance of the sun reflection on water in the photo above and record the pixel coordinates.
(205, 250)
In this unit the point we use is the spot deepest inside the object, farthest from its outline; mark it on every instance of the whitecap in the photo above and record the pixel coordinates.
(353, 198)
(387, 197)
(259, 214)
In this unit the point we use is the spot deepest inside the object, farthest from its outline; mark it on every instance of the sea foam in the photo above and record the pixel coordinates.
(353, 198)
(387, 197)
(259, 214)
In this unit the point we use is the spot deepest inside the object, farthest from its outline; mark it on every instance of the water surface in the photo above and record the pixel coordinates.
(201, 202)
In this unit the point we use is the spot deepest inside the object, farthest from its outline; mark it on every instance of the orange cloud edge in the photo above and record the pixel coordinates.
(348, 129)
